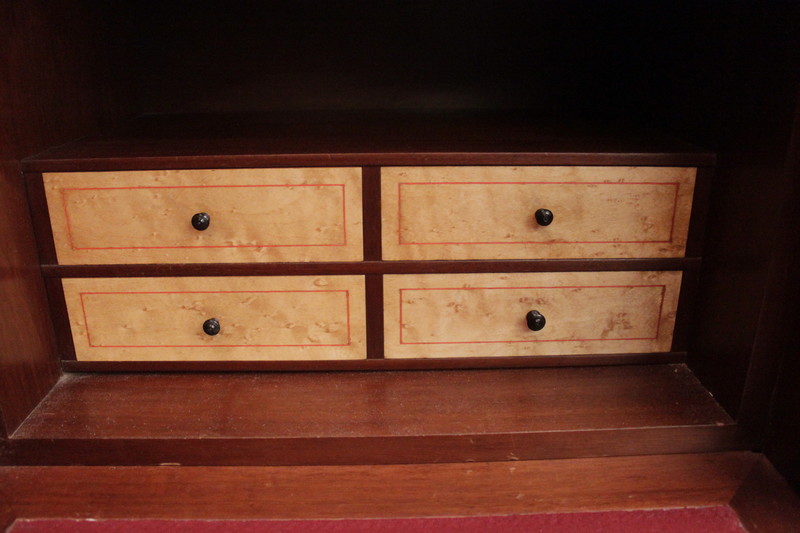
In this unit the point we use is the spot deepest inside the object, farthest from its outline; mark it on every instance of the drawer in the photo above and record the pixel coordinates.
(483, 315)
(491, 212)
(256, 215)
(260, 318)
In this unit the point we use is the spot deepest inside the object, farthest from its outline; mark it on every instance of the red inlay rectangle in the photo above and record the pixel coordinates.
(91, 345)
(400, 210)
(72, 242)
(658, 327)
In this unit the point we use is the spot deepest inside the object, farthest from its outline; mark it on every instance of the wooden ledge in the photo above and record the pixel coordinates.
(415, 490)
(388, 417)
(319, 138)
(742, 480)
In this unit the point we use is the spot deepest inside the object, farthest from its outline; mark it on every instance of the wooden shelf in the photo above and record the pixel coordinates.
(359, 417)
(364, 138)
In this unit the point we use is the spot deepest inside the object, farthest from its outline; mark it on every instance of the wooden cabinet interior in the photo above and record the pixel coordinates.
(612, 217)
(718, 76)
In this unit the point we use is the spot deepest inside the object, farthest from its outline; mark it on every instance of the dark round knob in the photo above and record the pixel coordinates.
(535, 320)
(201, 221)
(211, 326)
(543, 217)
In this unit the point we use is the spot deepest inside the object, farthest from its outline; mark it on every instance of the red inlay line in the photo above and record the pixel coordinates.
(215, 246)
(213, 292)
(91, 345)
(344, 216)
(202, 186)
(217, 345)
(400, 213)
(400, 210)
(660, 310)
(72, 242)
(347, 302)
(658, 322)
(542, 340)
(85, 320)
(538, 242)
(526, 288)
(539, 183)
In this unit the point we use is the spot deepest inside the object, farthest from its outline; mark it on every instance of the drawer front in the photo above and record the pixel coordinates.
(490, 212)
(484, 315)
(260, 318)
(256, 215)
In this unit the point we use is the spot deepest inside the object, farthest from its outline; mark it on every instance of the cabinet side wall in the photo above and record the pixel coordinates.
(782, 439)
(740, 104)
(50, 62)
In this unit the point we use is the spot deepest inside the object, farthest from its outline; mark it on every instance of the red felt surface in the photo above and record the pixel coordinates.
(696, 520)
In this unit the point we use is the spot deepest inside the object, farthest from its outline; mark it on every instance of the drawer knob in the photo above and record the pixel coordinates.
(201, 221)
(535, 320)
(211, 326)
(544, 217)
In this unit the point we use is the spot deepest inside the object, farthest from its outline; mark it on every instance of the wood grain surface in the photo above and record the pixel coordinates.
(256, 215)
(432, 448)
(377, 418)
(274, 318)
(488, 212)
(342, 404)
(28, 357)
(373, 491)
(478, 315)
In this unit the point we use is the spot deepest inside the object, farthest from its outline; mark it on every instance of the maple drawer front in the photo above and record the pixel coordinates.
(535, 212)
(251, 215)
(487, 315)
(217, 319)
